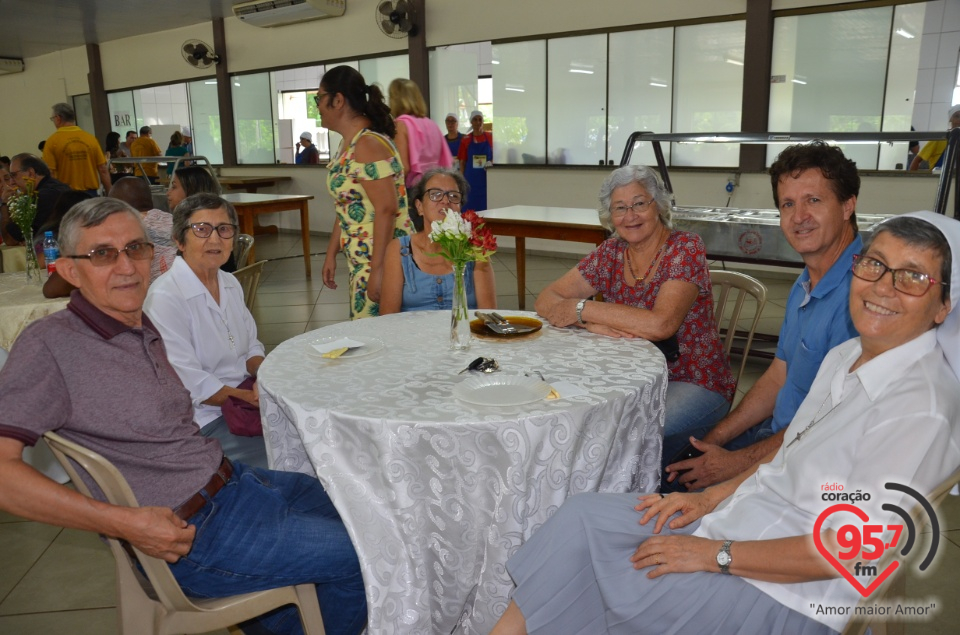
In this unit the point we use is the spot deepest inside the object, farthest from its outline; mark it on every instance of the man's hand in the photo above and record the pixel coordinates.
(716, 465)
(158, 532)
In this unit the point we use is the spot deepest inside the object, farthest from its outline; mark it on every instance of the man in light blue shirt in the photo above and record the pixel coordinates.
(815, 188)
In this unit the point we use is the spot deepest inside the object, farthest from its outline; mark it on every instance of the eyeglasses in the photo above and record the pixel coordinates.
(436, 195)
(316, 98)
(904, 280)
(205, 230)
(621, 210)
(103, 256)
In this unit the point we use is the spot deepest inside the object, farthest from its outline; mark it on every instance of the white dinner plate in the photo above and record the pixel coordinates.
(501, 390)
(370, 346)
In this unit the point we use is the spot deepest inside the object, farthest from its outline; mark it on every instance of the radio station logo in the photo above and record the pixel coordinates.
(864, 543)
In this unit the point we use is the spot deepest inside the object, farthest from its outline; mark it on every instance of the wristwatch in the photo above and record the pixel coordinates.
(724, 559)
(580, 305)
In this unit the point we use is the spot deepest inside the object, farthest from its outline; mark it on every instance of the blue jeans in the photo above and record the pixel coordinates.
(690, 410)
(268, 529)
(752, 435)
(248, 450)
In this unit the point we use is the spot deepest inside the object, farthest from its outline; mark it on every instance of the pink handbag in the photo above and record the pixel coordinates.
(242, 417)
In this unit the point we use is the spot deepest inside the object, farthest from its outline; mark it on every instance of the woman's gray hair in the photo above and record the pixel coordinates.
(419, 190)
(90, 213)
(921, 234)
(650, 181)
(194, 203)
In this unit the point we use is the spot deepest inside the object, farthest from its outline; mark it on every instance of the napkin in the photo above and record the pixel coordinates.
(336, 345)
(563, 389)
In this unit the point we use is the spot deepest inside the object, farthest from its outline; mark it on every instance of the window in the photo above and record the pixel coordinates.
(847, 71)
(577, 100)
(254, 116)
(520, 97)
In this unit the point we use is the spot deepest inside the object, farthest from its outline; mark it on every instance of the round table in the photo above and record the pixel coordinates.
(437, 493)
(20, 304)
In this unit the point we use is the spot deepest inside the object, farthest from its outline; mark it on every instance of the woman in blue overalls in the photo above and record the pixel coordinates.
(476, 153)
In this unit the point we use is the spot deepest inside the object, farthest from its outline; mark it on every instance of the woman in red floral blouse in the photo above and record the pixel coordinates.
(656, 285)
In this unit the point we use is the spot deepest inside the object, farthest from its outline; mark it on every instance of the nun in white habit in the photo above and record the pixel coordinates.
(740, 557)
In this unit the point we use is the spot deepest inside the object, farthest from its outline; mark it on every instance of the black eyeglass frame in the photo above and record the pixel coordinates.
(196, 228)
(441, 194)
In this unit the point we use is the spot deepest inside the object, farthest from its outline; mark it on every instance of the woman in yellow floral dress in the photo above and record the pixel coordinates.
(365, 178)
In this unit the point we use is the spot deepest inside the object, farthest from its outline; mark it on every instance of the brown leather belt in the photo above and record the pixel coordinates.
(214, 485)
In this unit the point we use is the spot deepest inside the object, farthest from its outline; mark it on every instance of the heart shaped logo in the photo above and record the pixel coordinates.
(862, 515)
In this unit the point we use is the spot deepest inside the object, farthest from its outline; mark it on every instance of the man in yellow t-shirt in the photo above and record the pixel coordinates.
(74, 156)
(933, 150)
(145, 146)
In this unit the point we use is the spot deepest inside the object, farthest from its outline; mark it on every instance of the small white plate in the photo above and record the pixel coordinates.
(370, 346)
(501, 390)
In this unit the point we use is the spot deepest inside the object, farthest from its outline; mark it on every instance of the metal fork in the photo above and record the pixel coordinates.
(497, 326)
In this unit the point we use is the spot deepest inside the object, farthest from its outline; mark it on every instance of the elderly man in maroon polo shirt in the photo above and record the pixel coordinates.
(97, 373)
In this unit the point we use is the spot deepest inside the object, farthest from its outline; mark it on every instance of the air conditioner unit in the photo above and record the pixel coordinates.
(8, 65)
(265, 13)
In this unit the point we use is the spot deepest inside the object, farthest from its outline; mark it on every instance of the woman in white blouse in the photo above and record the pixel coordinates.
(883, 408)
(210, 336)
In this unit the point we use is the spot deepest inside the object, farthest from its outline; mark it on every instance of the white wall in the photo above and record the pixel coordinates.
(156, 58)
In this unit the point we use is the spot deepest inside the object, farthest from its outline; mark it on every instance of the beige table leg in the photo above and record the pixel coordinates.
(305, 232)
(521, 244)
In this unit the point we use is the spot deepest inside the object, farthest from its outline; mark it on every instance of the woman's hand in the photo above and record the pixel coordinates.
(676, 554)
(330, 270)
(603, 329)
(561, 312)
(691, 507)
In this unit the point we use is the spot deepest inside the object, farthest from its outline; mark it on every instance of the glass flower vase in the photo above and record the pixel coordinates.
(33, 265)
(460, 314)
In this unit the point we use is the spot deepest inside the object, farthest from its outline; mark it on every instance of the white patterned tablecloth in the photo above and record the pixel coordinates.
(22, 303)
(437, 493)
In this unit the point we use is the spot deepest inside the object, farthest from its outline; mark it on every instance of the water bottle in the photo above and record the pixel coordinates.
(51, 251)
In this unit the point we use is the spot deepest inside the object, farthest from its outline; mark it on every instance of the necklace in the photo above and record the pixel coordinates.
(229, 334)
(653, 262)
(814, 421)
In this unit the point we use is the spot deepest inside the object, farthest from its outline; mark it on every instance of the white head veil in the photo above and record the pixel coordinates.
(948, 333)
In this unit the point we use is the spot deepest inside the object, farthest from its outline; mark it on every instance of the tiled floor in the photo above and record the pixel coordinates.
(62, 581)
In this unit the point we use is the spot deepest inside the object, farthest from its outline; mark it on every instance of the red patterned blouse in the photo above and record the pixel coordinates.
(701, 361)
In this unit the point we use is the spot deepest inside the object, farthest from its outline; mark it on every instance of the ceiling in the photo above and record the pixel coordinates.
(29, 28)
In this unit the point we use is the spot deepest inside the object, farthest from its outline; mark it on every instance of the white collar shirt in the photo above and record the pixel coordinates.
(207, 343)
(891, 420)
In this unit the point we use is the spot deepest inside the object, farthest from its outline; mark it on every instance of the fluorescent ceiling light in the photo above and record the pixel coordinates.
(730, 60)
(799, 81)
(658, 84)
(902, 32)
(210, 82)
(515, 89)
(494, 61)
(581, 70)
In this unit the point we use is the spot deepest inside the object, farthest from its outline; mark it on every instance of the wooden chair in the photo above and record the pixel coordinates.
(733, 291)
(896, 585)
(150, 601)
(244, 246)
(249, 278)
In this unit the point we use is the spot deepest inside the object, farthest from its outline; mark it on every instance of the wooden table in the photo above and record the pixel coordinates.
(250, 205)
(534, 221)
(251, 184)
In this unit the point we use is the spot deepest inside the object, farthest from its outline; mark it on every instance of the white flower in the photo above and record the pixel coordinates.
(452, 225)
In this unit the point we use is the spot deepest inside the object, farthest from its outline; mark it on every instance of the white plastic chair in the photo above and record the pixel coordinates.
(249, 278)
(733, 291)
(150, 601)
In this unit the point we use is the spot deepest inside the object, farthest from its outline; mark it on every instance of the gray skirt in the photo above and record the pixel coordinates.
(575, 576)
